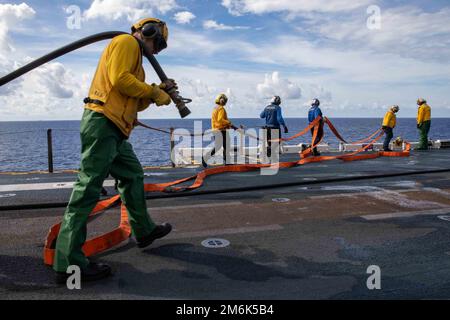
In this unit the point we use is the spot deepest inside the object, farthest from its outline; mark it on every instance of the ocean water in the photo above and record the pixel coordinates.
(23, 145)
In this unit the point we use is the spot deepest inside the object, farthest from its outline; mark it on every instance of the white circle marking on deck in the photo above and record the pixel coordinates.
(215, 243)
(281, 199)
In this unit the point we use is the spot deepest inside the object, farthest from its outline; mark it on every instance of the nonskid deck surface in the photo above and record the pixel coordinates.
(307, 241)
(54, 189)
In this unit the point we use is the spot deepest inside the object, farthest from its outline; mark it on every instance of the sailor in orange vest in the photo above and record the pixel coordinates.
(389, 123)
(220, 124)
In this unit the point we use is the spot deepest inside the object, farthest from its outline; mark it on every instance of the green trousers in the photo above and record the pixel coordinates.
(104, 151)
(423, 131)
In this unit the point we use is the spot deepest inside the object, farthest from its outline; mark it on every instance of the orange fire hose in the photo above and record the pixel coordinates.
(123, 231)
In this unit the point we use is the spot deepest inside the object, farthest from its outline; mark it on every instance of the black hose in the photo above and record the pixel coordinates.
(58, 53)
(177, 99)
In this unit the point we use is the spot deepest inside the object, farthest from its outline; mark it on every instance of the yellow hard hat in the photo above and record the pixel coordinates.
(221, 99)
(138, 25)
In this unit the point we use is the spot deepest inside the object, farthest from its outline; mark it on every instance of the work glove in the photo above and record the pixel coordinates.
(159, 96)
(286, 130)
(168, 85)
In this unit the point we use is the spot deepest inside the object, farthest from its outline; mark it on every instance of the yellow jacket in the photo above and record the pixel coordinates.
(219, 119)
(390, 119)
(424, 113)
(119, 83)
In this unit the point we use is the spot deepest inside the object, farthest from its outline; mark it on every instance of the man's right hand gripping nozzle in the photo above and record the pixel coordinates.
(160, 97)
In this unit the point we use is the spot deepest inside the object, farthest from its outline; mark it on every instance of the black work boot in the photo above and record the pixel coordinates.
(93, 272)
(159, 232)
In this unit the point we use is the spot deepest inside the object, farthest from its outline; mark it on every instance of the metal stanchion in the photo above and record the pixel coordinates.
(50, 150)
(172, 147)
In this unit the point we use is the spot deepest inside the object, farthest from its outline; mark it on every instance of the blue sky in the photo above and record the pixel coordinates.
(250, 49)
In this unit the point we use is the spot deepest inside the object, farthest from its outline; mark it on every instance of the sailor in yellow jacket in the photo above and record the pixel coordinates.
(220, 124)
(118, 92)
(389, 123)
(423, 123)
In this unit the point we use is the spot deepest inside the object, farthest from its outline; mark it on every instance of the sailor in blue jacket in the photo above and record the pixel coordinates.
(313, 113)
(274, 120)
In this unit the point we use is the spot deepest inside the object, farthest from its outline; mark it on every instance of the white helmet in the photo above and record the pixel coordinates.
(421, 101)
(395, 108)
(315, 102)
(276, 100)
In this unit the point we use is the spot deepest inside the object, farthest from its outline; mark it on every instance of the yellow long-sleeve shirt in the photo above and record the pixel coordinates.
(219, 119)
(424, 113)
(119, 83)
(390, 119)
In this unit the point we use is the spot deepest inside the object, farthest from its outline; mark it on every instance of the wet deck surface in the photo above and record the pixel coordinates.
(314, 241)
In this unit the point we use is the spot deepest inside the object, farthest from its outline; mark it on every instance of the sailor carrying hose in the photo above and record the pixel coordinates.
(118, 92)
(274, 120)
(220, 124)
(389, 123)
(313, 113)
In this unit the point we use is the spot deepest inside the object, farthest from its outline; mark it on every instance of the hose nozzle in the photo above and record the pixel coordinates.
(180, 102)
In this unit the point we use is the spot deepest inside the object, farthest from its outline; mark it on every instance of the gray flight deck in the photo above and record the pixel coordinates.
(308, 232)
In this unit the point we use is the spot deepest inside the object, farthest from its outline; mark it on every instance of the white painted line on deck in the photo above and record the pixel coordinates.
(362, 193)
(200, 205)
(406, 214)
(217, 232)
(44, 186)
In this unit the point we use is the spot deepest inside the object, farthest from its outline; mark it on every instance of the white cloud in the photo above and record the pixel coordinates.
(184, 17)
(347, 65)
(48, 92)
(11, 15)
(212, 24)
(239, 7)
(316, 91)
(273, 85)
(132, 10)
(407, 31)
(195, 44)
(53, 80)
(43, 93)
